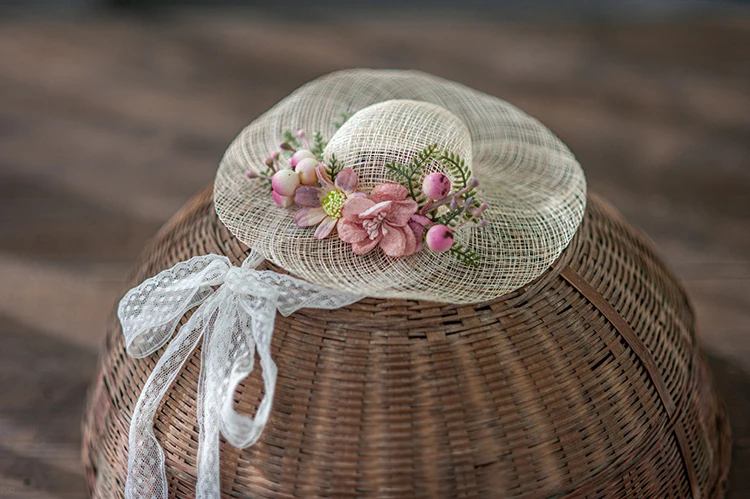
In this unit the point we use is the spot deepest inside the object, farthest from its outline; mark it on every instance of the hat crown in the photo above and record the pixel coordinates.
(396, 131)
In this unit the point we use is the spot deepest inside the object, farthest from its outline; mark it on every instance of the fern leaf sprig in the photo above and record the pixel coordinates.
(465, 255)
(398, 171)
(459, 170)
(333, 167)
(408, 175)
(448, 219)
(318, 145)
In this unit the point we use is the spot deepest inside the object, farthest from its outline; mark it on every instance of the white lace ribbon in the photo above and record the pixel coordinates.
(235, 318)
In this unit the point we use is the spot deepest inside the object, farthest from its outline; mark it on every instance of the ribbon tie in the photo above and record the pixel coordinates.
(235, 318)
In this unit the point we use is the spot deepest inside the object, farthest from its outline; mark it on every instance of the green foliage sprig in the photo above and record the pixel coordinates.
(408, 175)
(459, 170)
(265, 177)
(448, 218)
(333, 167)
(465, 255)
(318, 145)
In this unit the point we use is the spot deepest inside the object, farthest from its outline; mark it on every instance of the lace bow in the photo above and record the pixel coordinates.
(235, 320)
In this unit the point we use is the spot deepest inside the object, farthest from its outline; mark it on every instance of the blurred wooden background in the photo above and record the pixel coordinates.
(109, 124)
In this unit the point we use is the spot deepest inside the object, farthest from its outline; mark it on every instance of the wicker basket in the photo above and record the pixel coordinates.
(585, 383)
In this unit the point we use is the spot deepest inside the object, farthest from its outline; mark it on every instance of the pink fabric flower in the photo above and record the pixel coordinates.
(323, 205)
(384, 219)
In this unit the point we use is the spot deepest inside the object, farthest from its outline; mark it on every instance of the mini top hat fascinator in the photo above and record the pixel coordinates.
(385, 184)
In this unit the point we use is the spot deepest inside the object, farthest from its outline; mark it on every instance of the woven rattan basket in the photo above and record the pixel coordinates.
(588, 382)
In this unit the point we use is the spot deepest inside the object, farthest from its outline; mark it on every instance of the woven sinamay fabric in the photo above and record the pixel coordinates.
(535, 187)
(535, 196)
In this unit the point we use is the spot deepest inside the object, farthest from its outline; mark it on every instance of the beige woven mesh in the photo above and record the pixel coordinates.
(535, 187)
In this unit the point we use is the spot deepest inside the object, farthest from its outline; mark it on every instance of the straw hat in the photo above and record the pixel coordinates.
(535, 188)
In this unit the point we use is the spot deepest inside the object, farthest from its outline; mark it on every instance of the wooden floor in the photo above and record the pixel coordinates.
(108, 125)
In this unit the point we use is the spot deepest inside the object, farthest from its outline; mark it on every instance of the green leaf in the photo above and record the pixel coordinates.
(408, 175)
(333, 167)
(268, 173)
(449, 218)
(318, 145)
(465, 255)
(456, 165)
(398, 171)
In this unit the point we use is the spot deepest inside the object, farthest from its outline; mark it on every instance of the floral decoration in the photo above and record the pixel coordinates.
(380, 219)
(399, 217)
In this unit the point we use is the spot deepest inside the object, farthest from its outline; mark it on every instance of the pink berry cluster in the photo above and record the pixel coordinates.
(301, 170)
(438, 189)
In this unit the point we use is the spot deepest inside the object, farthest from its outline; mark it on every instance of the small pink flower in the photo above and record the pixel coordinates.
(322, 205)
(385, 219)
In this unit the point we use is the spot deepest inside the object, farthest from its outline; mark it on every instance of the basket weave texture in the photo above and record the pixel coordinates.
(586, 383)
